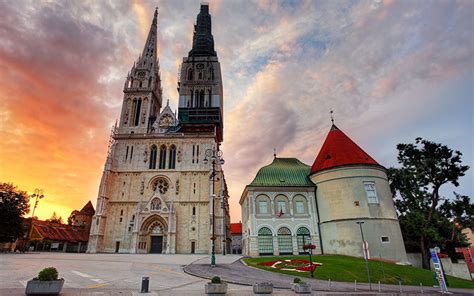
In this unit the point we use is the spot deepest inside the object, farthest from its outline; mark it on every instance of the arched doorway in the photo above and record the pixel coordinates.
(153, 235)
(285, 245)
(265, 241)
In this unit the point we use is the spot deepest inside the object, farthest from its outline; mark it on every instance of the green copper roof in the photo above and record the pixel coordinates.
(283, 172)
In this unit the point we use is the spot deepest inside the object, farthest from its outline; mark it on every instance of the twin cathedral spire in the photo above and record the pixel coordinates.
(200, 86)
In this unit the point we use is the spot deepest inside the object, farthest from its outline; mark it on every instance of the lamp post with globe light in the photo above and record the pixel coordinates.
(214, 156)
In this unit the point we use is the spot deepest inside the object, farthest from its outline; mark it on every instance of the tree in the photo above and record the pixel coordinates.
(55, 219)
(13, 205)
(460, 212)
(72, 217)
(426, 166)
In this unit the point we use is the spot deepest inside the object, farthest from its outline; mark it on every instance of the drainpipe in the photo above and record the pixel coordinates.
(317, 213)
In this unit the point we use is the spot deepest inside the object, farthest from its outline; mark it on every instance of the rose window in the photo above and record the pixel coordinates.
(161, 185)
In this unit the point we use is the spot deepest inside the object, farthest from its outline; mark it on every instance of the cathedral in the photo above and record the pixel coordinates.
(163, 189)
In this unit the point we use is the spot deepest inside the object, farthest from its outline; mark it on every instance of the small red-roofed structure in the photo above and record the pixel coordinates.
(236, 233)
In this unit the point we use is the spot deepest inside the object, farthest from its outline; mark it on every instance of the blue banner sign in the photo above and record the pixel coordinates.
(438, 270)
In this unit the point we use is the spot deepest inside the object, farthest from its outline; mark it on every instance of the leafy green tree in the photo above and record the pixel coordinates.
(460, 212)
(13, 205)
(426, 166)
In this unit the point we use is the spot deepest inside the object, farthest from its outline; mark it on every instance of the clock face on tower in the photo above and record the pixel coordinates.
(166, 120)
(200, 66)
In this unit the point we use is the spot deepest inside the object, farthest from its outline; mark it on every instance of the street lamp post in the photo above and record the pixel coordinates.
(38, 194)
(366, 256)
(215, 157)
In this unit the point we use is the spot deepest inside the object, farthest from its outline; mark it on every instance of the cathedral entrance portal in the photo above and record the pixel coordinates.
(153, 235)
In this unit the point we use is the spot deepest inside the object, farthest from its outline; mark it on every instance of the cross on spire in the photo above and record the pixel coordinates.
(274, 152)
(332, 116)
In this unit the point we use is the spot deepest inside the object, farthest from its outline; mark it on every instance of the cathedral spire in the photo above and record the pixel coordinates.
(203, 41)
(149, 55)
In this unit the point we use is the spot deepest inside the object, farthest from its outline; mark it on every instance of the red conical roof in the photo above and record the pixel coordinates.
(339, 150)
(88, 209)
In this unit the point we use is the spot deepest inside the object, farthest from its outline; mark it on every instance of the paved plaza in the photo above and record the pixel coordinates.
(107, 274)
(120, 274)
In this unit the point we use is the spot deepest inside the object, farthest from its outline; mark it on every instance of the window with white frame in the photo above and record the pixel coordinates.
(300, 207)
(371, 193)
(263, 207)
(281, 206)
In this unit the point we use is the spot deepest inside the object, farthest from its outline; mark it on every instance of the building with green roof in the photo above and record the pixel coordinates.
(279, 210)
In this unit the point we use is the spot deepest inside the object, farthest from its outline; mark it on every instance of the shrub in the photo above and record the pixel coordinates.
(48, 274)
(216, 280)
(297, 281)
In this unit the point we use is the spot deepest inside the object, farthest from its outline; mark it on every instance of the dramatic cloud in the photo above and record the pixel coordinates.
(391, 71)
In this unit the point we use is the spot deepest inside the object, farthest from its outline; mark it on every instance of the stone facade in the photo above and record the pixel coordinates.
(156, 186)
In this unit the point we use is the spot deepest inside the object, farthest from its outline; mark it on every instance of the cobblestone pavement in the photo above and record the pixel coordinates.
(239, 273)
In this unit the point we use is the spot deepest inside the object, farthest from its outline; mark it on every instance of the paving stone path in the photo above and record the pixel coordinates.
(239, 273)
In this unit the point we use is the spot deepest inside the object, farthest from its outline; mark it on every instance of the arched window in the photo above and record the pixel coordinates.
(211, 74)
(201, 99)
(190, 74)
(191, 100)
(194, 211)
(172, 159)
(137, 105)
(155, 204)
(209, 103)
(303, 237)
(140, 84)
(285, 245)
(153, 152)
(281, 206)
(162, 157)
(161, 185)
(265, 241)
(300, 205)
(263, 205)
(200, 75)
(196, 99)
(149, 82)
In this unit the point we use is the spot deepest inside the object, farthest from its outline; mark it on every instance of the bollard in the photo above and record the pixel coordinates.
(329, 284)
(145, 284)
(380, 290)
(400, 285)
(421, 287)
(355, 285)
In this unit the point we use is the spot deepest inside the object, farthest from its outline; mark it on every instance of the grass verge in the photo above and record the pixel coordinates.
(348, 269)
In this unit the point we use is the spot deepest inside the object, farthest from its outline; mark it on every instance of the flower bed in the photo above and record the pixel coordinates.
(297, 265)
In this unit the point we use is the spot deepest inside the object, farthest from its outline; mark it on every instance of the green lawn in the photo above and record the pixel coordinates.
(348, 269)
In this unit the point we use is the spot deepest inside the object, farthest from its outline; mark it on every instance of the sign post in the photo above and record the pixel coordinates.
(438, 270)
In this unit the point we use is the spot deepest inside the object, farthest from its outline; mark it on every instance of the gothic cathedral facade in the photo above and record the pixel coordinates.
(161, 188)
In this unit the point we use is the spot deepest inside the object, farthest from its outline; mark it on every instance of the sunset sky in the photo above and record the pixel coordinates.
(391, 71)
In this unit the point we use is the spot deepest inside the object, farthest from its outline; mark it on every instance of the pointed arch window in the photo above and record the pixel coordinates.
(190, 74)
(194, 211)
(137, 105)
(201, 99)
(149, 82)
(172, 159)
(153, 152)
(162, 157)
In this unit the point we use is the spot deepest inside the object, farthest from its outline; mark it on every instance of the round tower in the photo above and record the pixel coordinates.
(352, 187)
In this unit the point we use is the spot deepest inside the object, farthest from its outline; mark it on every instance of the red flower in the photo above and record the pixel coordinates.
(309, 247)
